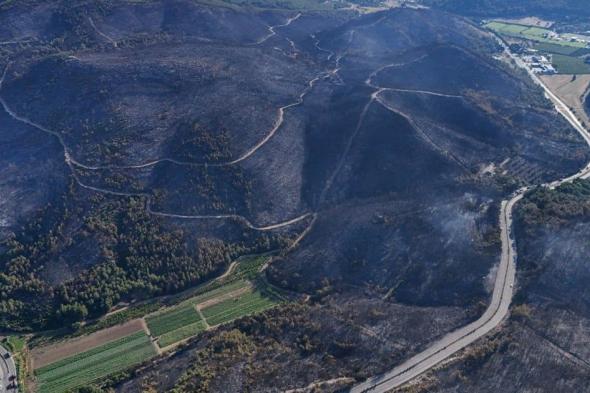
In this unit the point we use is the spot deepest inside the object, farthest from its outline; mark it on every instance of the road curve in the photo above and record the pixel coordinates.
(459, 339)
(7, 371)
(503, 286)
(73, 164)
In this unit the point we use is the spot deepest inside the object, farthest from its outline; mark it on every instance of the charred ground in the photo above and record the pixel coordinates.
(169, 133)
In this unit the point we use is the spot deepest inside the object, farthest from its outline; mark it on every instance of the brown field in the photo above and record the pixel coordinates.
(43, 356)
(225, 296)
(571, 92)
(529, 21)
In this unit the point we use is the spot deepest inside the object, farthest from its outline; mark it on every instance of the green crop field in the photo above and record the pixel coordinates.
(216, 291)
(530, 33)
(506, 28)
(553, 48)
(182, 333)
(172, 319)
(14, 343)
(249, 268)
(535, 31)
(570, 65)
(231, 309)
(285, 4)
(85, 367)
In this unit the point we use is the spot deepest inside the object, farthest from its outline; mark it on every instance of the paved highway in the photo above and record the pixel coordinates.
(503, 286)
(459, 339)
(7, 371)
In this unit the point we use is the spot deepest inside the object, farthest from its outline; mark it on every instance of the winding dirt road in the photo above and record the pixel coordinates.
(73, 164)
(272, 32)
(503, 287)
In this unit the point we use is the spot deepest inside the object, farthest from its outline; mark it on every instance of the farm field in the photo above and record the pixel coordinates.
(570, 65)
(76, 362)
(559, 49)
(238, 298)
(96, 363)
(218, 291)
(571, 91)
(172, 319)
(529, 33)
(231, 309)
(181, 333)
(42, 356)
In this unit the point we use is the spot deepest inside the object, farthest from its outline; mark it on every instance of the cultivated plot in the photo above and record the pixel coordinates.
(99, 362)
(172, 319)
(231, 309)
(531, 33)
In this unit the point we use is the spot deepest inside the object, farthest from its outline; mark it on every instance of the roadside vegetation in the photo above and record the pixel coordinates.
(17, 346)
(544, 207)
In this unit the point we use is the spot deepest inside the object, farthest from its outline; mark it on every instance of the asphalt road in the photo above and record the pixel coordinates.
(503, 286)
(7, 369)
(459, 339)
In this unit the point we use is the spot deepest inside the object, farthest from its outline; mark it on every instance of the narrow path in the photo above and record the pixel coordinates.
(503, 287)
(247, 154)
(320, 385)
(100, 33)
(72, 164)
(198, 309)
(146, 329)
(374, 97)
(272, 31)
(421, 132)
(223, 297)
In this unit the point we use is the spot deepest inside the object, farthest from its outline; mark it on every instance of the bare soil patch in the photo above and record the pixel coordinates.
(529, 21)
(225, 296)
(572, 92)
(49, 354)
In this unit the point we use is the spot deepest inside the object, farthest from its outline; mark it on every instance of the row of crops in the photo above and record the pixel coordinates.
(236, 299)
(99, 362)
(225, 300)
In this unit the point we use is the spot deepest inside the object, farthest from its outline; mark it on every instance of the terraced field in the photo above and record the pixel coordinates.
(231, 309)
(99, 362)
